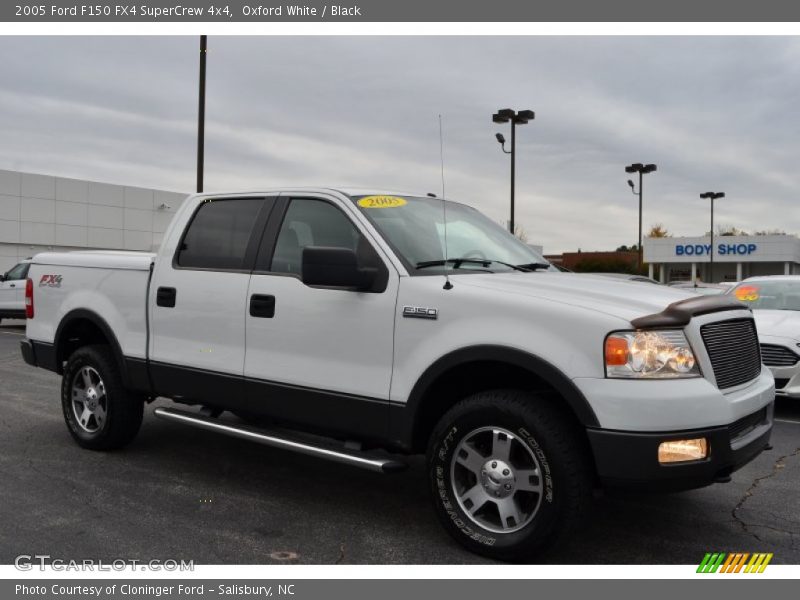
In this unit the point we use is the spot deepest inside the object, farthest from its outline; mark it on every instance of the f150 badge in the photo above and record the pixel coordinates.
(53, 281)
(420, 312)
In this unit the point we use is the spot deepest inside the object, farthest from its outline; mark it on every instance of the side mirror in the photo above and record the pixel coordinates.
(335, 267)
(3, 276)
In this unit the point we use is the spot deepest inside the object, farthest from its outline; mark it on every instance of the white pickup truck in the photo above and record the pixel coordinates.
(336, 321)
(12, 291)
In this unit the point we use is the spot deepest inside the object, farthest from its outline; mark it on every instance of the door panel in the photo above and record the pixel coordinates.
(8, 296)
(325, 355)
(199, 298)
(205, 327)
(12, 290)
(326, 339)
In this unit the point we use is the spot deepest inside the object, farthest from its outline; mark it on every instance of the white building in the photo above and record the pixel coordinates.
(735, 257)
(40, 213)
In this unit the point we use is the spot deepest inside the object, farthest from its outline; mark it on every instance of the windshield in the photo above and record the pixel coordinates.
(414, 227)
(770, 295)
(708, 291)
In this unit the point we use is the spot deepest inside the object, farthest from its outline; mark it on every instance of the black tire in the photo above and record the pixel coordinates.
(544, 434)
(123, 409)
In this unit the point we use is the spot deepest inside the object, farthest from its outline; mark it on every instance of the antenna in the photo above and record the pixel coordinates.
(447, 284)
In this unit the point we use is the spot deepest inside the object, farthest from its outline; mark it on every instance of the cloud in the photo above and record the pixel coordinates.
(714, 113)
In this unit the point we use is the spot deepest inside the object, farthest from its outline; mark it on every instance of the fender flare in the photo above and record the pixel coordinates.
(82, 314)
(519, 358)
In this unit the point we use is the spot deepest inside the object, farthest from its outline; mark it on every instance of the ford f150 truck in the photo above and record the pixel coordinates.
(345, 323)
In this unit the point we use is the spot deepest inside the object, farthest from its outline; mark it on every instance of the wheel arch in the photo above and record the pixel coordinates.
(82, 327)
(477, 368)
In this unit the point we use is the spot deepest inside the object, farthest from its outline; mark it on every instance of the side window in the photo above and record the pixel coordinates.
(18, 272)
(316, 223)
(218, 234)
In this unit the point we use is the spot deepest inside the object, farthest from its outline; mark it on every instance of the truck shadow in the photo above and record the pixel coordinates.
(178, 492)
(388, 518)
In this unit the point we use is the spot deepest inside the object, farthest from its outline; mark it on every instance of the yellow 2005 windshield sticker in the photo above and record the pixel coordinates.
(747, 293)
(381, 202)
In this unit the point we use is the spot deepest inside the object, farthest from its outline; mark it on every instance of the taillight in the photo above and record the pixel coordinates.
(29, 299)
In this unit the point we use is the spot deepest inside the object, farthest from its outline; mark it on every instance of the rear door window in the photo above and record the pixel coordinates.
(219, 234)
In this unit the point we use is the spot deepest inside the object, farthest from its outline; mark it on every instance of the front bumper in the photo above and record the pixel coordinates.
(787, 377)
(630, 459)
(787, 381)
(672, 404)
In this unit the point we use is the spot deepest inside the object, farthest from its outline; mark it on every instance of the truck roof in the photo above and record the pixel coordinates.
(348, 191)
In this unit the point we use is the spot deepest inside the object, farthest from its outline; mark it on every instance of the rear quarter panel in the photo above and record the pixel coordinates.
(118, 296)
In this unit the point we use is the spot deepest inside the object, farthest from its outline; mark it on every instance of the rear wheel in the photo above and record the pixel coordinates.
(99, 412)
(509, 474)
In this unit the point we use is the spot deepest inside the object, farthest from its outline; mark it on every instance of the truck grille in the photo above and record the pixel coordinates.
(733, 350)
(745, 425)
(778, 356)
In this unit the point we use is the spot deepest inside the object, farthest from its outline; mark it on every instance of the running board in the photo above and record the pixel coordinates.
(365, 461)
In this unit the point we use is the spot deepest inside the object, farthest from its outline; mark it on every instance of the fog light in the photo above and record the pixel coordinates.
(682, 450)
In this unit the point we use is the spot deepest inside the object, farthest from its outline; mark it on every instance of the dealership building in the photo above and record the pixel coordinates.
(40, 213)
(735, 257)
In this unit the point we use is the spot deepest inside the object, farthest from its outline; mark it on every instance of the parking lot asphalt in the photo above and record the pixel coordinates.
(179, 493)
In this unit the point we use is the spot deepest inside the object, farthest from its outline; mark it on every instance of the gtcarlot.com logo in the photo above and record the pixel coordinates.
(44, 562)
(734, 562)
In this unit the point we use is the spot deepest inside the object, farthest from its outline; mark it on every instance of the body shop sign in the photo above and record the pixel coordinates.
(721, 249)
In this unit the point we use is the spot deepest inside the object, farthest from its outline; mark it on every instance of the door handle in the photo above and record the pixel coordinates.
(165, 296)
(262, 306)
(12, 285)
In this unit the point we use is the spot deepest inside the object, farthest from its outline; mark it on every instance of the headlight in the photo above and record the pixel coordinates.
(649, 355)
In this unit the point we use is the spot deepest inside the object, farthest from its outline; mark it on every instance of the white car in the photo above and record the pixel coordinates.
(12, 291)
(775, 301)
(338, 312)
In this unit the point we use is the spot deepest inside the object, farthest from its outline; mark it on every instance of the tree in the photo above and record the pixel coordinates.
(605, 265)
(520, 233)
(658, 231)
(771, 232)
(631, 248)
(723, 230)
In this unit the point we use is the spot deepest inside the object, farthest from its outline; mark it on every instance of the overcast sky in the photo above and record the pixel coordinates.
(719, 114)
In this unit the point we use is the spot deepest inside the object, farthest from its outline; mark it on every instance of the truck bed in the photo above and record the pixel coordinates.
(108, 259)
(111, 284)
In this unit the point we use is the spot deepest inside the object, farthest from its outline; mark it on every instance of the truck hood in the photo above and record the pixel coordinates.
(778, 323)
(621, 298)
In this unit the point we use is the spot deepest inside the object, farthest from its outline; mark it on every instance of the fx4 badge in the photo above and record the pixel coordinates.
(420, 312)
(53, 281)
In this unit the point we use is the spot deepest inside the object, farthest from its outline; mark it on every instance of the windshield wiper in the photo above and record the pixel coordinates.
(484, 262)
(534, 266)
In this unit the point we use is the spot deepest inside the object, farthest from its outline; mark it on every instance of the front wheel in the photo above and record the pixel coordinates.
(509, 474)
(100, 413)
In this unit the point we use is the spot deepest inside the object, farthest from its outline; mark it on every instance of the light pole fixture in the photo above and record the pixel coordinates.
(642, 170)
(712, 196)
(504, 115)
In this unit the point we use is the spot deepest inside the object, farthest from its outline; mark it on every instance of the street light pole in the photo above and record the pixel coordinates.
(504, 115)
(639, 247)
(201, 114)
(642, 170)
(711, 253)
(712, 196)
(513, 163)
